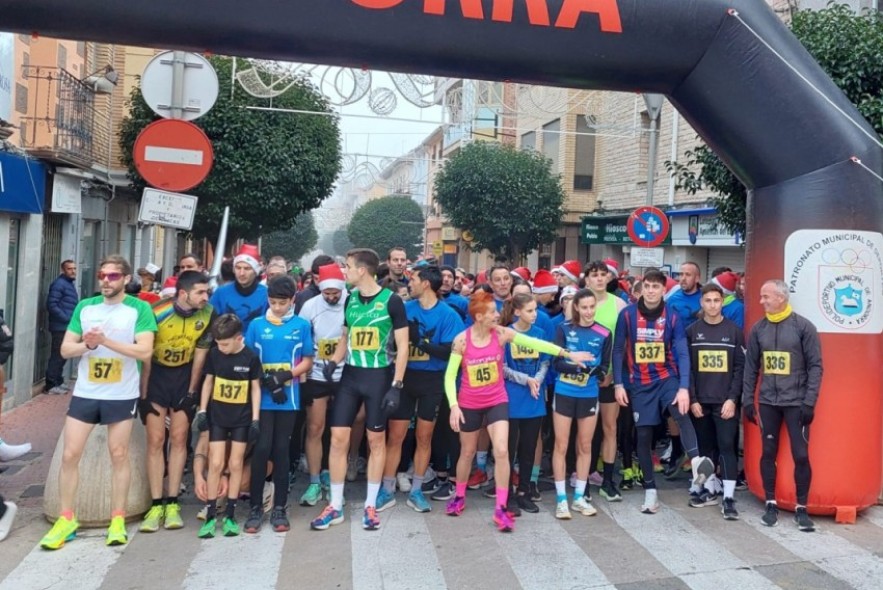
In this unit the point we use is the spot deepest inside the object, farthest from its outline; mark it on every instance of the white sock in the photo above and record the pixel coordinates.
(580, 489)
(650, 497)
(560, 490)
(729, 488)
(337, 496)
(371, 496)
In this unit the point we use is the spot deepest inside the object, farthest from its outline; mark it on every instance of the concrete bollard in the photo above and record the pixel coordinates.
(92, 506)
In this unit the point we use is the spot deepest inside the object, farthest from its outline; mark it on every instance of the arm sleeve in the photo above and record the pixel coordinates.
(536, 344)
(543, 370)
(749, 377)
(397, 313)
(738, 367)
(146, 321)
(441, 351)
(451, 378)
(682, 354)
(812, 354)
(619, 340)
(514, 376)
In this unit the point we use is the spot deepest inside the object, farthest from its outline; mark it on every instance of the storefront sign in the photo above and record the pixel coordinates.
(66, 195)
(701, 230)
(611, 230)
(22, 184)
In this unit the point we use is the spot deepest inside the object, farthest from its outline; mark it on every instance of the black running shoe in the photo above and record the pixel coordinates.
(526, 504)
(804, 523)
(728, 509)
(279, 520)
(255, 517)
(534, 493)
(609, 492)
(771, 516)
(444, 493)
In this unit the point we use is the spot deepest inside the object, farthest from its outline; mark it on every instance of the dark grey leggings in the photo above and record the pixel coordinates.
(523, 436)
(273, 445)
(770, 421)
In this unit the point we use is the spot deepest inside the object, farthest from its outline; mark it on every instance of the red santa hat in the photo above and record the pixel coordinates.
(727, 281)
(331, 277)
(612, 266)
(169, 287)
(544, 282)
(249, 254)
(522, 272)
(571, 269)
(481, 279)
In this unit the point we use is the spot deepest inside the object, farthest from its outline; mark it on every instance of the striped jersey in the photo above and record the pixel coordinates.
(647, 351)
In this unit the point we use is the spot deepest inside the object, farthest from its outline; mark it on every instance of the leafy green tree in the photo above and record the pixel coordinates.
(292, 243)
(849, 47)
(508, 198)
(387, 222)
(269, 167)
(340, 242)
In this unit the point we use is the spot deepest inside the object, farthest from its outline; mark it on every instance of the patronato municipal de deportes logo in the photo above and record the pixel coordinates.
(845, 286)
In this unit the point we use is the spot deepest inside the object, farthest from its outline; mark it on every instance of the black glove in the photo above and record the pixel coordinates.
(328, 370)
(807, 413)
(188, 403)
(202, 421)
(144, 408)
(390, 402)
(414, 332)
(275, 381)
(254, 431)
(750, 413)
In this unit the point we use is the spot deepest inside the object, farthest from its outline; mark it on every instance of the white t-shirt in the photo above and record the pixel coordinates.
(103, 373)
(327, 323)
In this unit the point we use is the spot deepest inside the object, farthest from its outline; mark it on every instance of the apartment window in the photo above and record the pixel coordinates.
(551, 141)
(25, 62)
(584, 164)
(62, 56)
(21, 99)
(81, 48)
(529, 141)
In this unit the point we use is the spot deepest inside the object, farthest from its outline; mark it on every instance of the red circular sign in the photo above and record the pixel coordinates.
(648, 226)
(173, 155)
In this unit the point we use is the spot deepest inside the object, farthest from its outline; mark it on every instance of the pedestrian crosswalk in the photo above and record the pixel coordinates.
(680, 547)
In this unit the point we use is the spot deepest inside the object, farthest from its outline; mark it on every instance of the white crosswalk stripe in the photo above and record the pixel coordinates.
(215, 566)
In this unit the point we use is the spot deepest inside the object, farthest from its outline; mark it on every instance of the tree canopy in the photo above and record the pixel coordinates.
(508, 198)
(269, 167)
(849, 47)
(384, 223)
(292, 243)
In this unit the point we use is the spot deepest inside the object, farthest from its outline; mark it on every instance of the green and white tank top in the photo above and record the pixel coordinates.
(369, 327)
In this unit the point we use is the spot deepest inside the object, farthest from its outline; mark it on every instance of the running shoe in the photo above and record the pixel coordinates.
(804, 523)
(62, 531)
(672, 470)
(771, 516)
(657, 464)
(173, 520)
(203, 512)
(403, 481)
(504, 521)
(525, 503)
(431, 486)
(279, 520)
(445, 492)
(512, 507)
(728, 509)
(609, 492)
(254, 520)
(370, 522)
(7, 519)
(352, 471)
(490, 492)
(418, 502)
(651, 502)
(595, 479)
(702, 468)
(534, 494)
(562, 511)
(583, 506)
(327, 518)
(153, 519)
(207, 530)
(312, 495)
(630, 478)
(231, 527)
(116, 532)
(384, 500)
(477, 479)
(741, 484)
(456, 506)
(703, 498)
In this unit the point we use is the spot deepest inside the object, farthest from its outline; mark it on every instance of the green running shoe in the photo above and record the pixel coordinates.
(62, 531)
(207, 530)
(312, 495)
(230, 528)
(116, 532)
(173, 520)
(153, 519)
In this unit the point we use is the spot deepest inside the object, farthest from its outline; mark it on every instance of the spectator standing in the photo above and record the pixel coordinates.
(60, 303)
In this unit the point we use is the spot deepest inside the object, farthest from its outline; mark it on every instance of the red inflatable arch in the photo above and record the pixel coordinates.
(731, 68)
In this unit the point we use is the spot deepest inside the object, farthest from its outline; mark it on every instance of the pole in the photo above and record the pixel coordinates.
(220, 247)
(170, 234)
(654, 107)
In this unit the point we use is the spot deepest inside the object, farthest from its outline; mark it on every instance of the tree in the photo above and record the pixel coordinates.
(340, 242)
(293, 243)
(382, 224)
(269, 167)
(849, 47)
(508, 198)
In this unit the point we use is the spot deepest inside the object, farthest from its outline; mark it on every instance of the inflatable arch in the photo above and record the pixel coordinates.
(811, 162)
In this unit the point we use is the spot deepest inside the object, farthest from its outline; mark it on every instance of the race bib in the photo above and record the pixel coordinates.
(776, 363)
(577, 379)
(105, 370)
(267, 367)
(712, 361)
(522, 353)
(230, 392)
(649, 352)
(173, 357)
(483, 374)
(417, 355)
(365, 339)
(327, 346)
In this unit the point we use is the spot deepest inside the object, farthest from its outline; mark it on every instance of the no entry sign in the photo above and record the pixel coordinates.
(173, 155)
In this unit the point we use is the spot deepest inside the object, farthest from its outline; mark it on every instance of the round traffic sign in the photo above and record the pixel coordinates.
(173, 155)
(199, 85)
(648, 226)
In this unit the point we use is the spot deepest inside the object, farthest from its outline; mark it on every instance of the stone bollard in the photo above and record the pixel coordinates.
(92, 506)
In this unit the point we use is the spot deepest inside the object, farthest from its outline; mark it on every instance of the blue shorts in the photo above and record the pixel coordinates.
(651, 402)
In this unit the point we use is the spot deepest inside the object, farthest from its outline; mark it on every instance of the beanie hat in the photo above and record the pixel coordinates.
(249, 254)
(568, 291)
(522, 272)
(544, 282)
(727, 281)
(612, 266)
(281, 287)
(331, 277)
(571, 269)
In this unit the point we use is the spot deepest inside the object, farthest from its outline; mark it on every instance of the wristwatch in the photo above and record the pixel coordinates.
(398, 384)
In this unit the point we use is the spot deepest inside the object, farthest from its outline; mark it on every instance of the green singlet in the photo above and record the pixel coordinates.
(369, 327)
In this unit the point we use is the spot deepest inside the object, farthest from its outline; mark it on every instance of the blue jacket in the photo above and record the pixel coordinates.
(60, 303)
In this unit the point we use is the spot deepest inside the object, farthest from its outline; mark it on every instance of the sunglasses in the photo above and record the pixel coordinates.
(110, 276)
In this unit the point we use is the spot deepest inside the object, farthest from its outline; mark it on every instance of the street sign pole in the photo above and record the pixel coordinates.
(177, 109)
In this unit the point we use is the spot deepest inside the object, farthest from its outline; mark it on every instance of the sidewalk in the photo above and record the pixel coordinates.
(39, 422)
